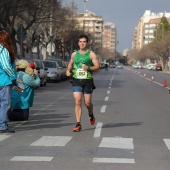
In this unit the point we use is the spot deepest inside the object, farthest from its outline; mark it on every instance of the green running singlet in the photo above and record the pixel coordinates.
(79, 59)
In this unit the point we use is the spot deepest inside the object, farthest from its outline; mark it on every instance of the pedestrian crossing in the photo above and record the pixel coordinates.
(115, 150)
(3, 137)
(52, 141)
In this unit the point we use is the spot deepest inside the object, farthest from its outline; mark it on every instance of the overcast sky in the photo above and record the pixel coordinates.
(125, 14)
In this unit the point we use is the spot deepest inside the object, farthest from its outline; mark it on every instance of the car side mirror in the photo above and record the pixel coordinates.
(46, 69)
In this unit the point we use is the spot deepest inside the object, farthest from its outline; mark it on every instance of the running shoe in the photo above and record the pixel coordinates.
(92, 120)
(77, 128)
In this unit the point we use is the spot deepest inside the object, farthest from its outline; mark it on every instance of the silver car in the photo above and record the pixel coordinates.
(62, 67)
(42, 71)
(53, 72)
(120, 65)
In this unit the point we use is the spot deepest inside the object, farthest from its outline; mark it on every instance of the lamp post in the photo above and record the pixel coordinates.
(84, 14)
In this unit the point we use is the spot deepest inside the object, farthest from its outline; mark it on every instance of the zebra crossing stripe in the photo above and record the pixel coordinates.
(52, 141)
(113, 160)
(167, 142)
(116, 150)
(3, 137)
(32, 158)
(121, 143)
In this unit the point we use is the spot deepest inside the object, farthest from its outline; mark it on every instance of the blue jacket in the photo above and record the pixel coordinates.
(7, 69)
(24, 100)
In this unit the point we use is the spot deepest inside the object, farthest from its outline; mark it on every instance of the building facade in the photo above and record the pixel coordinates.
(145, 29)
(109, 37)
(91, 24)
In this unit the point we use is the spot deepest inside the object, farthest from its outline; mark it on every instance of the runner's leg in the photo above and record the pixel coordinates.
(88, 102)
(78, 102)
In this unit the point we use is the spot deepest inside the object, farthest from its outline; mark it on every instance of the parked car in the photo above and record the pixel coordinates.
(42, 70)
(135, 66)
(62, 67)
(158, 67)
(150, 66)
(102, 65)
(112, 65)
(53, 72)
(120, 65)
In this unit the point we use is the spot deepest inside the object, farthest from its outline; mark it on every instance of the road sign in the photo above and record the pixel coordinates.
(21, 33)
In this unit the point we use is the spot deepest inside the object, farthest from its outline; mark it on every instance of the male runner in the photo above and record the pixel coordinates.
(82, 63)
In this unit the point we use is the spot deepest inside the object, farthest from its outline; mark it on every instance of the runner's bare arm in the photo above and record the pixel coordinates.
(70, 64)
(96, 64)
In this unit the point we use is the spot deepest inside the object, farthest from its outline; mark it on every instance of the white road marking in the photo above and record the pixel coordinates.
(113, 160)
(106, 98)
(167, 142)
(52, 141)
(112, 77)
(31, 158)
(103, 109)
(98, 129)
(109, 87)
(108, 92)
(121, 143)
(3, 137)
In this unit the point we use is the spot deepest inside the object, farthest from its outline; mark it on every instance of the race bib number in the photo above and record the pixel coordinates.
(81, 74)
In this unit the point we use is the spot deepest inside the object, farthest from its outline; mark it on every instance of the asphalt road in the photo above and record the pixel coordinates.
(132, 130)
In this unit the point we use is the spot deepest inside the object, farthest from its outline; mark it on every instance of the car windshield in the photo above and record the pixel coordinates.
(60, 63)
(39, 64)
(49, 64)
(29, 60)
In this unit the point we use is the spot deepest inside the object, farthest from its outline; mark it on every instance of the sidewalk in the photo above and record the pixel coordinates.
(166, 71)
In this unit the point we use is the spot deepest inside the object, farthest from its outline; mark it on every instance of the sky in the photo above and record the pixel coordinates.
(125, 14)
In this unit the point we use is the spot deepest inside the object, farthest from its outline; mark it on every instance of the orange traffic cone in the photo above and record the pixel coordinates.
(144, 75)
(165, 84)
(152, 79)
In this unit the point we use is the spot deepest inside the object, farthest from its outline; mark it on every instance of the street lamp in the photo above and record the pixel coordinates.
(84, 14)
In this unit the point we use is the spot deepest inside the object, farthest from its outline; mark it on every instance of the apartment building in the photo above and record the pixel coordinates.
(91, 24)
(109, 36)
(144, 31)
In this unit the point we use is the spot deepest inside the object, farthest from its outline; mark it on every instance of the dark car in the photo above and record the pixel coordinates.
(158, 67)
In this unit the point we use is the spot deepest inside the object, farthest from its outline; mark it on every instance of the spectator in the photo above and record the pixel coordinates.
(21, 102)
(7, 77)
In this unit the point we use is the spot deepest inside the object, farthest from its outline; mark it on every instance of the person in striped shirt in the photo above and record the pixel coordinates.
(7, 77)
